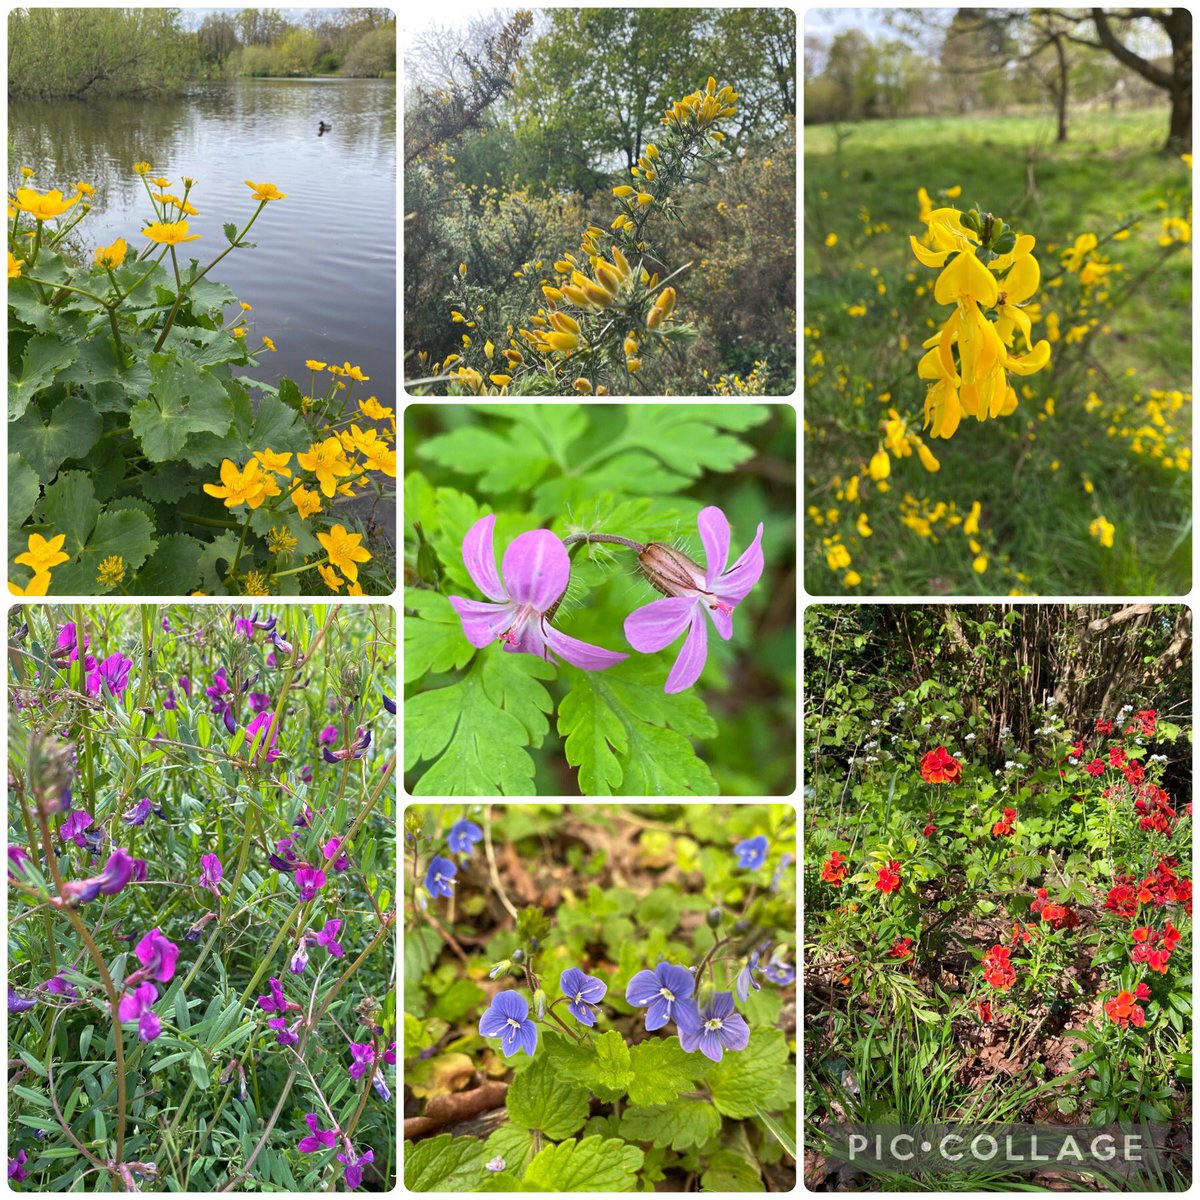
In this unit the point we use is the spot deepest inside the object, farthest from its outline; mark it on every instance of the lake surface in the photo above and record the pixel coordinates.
(322, 278)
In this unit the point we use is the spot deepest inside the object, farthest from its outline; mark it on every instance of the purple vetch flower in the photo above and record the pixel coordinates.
(463, 836)
(508, 1019)
(523, 598)
(305, 774)
(113, 672)
(299, 959)
(745, 978)
(18, 856)
(328, 937)
(390, 704)
(17, 1004)
(264, 724)
(259, 702)
(157, 955)
(275, 1001)
(318, 1139)
(210, 873)
(116, 874)
(72, 828)
(354, 1164)
(136, 1006)
(332, 849)
(439, 876)
(196, 930)
(356, 749)
(583, 993)
(140, 811)
(362, 1055)
(185, 684)
(67, 640)
(284, 1035)
(138, 873)
(751, 853)
(665, 993)
(16, 1167)
(58, 986)
(169, 700)
(389, 1055)
(329, 735)
(280, 644)
(717, 1028)
(691, 590)
(309, 880)
(284, 859)
(243, 626)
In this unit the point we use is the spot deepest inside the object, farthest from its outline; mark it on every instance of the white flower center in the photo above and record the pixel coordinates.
(578, 997)
(668, 994)
(713, 1023)
(514, 1024)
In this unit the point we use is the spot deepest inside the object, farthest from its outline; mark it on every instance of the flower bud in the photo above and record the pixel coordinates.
(623, 191)
(666, 301)
(583, 386)
(499, 970)
(880, 466)
(714, 917)
(670, 571)
(539, 1003)
(654, 318)
(518, 955)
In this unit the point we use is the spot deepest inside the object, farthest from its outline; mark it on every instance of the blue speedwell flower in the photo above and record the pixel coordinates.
(508, 1019)
(583, 993)
(665, 993)
(777, 971)
(715, 1029)
(745, 978)
(752, 853)
(439, 876)
(463, 836)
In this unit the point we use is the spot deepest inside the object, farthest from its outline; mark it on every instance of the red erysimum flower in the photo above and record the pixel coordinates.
(985, 1012)
(1145, 722)
(1104, 726)
(1134, 773)
(1095, 767)
(1076, 749)
(1004, 828)
(929, 830)
(902, 948)
(889, 877)
(939, 766)
(834, 871)
(1123, 1007)
(998, 970)
(1116, 756)
(1154, 948)
(1122, 899)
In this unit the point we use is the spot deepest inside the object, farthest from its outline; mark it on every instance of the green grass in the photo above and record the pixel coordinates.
(1027, 470)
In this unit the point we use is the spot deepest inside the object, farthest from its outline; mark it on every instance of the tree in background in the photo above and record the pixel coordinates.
(86, 53)
(218, 39)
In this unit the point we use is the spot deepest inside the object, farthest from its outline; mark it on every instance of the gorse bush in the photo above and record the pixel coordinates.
(643, 1028)
(200, 892)
(138, 460)
(604, 322)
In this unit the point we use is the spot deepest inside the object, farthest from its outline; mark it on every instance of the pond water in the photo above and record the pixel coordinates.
(322, 278)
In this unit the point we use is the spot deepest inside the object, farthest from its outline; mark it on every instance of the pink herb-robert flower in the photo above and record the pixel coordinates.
(523, 598)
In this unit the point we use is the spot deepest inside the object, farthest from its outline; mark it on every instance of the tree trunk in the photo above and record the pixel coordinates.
(1061, 95)
(1179, 140)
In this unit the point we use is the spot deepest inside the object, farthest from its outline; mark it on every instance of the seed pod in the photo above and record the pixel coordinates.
(668, 570)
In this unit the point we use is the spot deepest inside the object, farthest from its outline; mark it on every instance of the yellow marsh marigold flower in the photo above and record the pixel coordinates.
(313, 365)
(169, 233)
(355, 373)
(240, 331)
(14, 265)
(1099, 528)
(281, 542)
(265, 191)
(307, 503)
(270, 345)
(43, 207)
(246, 486)
(85, 189)
(42, 553)
(111, 256)
(142, 168)
(370, 407)
(333, 581)
(276, 462)
(39, 585)
(245, 307)
(327, 461)
(111, 572)
(161, 183)
(255, 584)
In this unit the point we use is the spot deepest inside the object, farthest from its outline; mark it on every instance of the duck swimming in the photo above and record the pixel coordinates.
(323, 128)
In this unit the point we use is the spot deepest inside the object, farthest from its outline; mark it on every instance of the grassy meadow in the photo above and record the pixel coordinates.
(1098, 449)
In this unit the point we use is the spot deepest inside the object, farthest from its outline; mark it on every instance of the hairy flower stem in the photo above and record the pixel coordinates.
(565, 1027)
(611, 538)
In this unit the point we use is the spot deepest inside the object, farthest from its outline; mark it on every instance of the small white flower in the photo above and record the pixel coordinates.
(969, 738)
(1008, 766)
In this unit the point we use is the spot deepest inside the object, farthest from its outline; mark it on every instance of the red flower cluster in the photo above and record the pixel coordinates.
(929, 830)
(998, 970)
(1144, 722)
(889, 877)
(1155, 806)
(902, 948)
(1123, 1008)
(834, 871)
(985, 1012)
(1161, 887)
(1116, 756)
(1028, 934)
(1103, 726)
(1154, 949)
(1004, 827)
(1122, 899)
(1057, 916)
(1095, 767)
(939, 766)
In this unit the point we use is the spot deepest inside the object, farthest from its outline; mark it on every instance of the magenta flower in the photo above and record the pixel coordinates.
(332, 849)
(356, 749)
(689, 591)
(362, 1055)
(299, 959)
(275, 1001)
(18, 856)
(140, 811)
(118, 871)
(309, 880)
(265, 723)
(16, 1167)
(157, 955)
(328, 938)
(318, 1139)
(283, 1035)
(389, 1055)
(354, 1165)
(59, 986)
(210, 873)
(72, 828)
(328, 736)
(136, 1006)
(523, 598)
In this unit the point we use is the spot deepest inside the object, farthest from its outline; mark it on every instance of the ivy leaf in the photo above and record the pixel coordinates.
(594, 1164)
(499, 463)
(476, 730)
(623, 731)
(433, 638)
(661, 1070)
(23, 490)
(44, 357)
(538, 1099)
(741, 1079)
(443, 1164)
(681, 1124)
(604, 1067)
(183, 400)
(72, 430)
